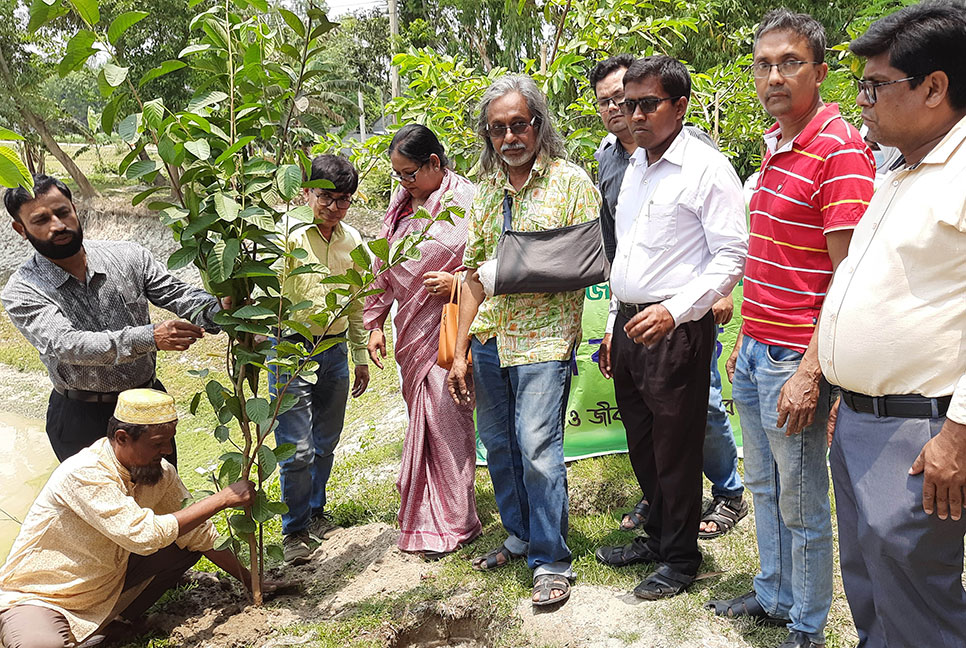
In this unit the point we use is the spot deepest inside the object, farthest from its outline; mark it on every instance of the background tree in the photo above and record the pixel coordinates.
(22, 73)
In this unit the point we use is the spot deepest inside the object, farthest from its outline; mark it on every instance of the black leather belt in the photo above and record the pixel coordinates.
(96, 397)
(630, 310)
(906, 406)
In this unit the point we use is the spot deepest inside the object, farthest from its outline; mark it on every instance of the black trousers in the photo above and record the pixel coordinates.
(662, 395)
(72, 425)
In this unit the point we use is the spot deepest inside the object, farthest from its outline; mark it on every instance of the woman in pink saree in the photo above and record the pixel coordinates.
(437, 513)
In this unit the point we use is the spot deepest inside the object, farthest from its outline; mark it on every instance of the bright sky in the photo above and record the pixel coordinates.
(339, 7)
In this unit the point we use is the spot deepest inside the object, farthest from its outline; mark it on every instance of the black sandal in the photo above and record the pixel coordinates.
(634, 552)
(663, 583)
(543, 586)
(747, 606)
(637, 517)
(725, 513)
(491, 560)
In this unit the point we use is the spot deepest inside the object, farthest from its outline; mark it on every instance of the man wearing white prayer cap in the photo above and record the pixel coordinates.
(107, 535)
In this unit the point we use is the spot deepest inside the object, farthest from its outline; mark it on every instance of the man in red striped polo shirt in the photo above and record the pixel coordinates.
(816, 181)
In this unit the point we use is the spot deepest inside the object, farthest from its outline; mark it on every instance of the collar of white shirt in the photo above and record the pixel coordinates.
(674, 153)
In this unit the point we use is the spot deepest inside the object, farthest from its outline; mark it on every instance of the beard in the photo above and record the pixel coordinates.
(148, 475)
(516, 160)
(59, 251)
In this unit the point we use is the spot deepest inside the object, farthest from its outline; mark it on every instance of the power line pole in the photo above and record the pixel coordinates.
(394, 34)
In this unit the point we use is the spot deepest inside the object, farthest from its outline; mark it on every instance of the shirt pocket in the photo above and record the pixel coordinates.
(660, 225)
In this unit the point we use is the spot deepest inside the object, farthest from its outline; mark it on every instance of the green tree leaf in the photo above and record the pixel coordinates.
(198, 148)
(194, 49)
(165, 68)
(181, 258)
(128, 129)
(122, 23)
(195, 401)
(226, 207)
(253, 311)
(87, 9)
(361, 257)
(234, 148)
(293, 21)
(260, 508)
(221, 433)
(7, 134)
(205, 99)
(108, 116)
(230, 468)
(170, 152)
(267, 461)
(288, 179)
(144, 195)
(302, 214)
(140, 168)
(13, 172)
(275, 552)
(285, 450)
(115, 75)
(221, 260)
(242, 524)
(380, 247)
(153, 112)
(216, 394)
(257, 409)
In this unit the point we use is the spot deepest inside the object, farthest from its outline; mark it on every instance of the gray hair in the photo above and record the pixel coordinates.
(801, 24)
(549, 141)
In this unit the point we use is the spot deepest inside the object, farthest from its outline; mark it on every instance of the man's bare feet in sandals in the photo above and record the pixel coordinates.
(636, 518)
(550, 589)
(495, 559)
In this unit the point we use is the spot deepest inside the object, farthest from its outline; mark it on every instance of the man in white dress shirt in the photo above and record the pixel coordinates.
(891, 335)
(681, 245)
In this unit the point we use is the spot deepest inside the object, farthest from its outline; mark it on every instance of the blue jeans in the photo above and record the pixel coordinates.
(314, 426)
(788, 477)
(720, 452)
(520, 420)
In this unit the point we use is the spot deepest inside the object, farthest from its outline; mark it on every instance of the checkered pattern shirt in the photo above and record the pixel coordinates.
(96, 335)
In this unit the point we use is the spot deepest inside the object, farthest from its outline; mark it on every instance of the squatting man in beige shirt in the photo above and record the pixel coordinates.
(107, 535)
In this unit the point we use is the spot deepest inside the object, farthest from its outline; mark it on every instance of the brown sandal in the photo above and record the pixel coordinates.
(491, 560)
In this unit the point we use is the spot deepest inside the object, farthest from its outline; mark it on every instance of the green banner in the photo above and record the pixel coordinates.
(593, 425)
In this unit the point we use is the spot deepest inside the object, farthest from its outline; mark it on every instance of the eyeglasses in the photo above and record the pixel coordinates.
(326, 199)
(406, 177)
(647, 104)
(785, 68)
(606, 102)
(868, 87)
(517, 128)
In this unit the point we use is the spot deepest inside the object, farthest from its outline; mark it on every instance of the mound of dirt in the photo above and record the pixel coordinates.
(353, 565)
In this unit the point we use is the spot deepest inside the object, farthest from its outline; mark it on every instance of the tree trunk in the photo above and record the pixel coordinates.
(84, 185)
(37, 123)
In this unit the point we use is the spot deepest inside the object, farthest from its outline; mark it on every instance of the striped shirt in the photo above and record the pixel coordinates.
(819, 183)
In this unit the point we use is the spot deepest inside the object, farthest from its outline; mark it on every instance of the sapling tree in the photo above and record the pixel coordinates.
(235, 171)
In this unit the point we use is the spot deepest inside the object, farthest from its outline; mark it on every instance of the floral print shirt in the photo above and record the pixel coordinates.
(530, 327)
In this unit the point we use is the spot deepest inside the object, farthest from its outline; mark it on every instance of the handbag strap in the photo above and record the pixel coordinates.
(507, 210)
(455, 288)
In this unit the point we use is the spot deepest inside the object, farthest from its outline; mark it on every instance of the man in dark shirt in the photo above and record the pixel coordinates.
(727, 507)
(607, 81)
(84, 306)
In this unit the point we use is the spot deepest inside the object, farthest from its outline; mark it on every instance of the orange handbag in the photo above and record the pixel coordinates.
(449, 324)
